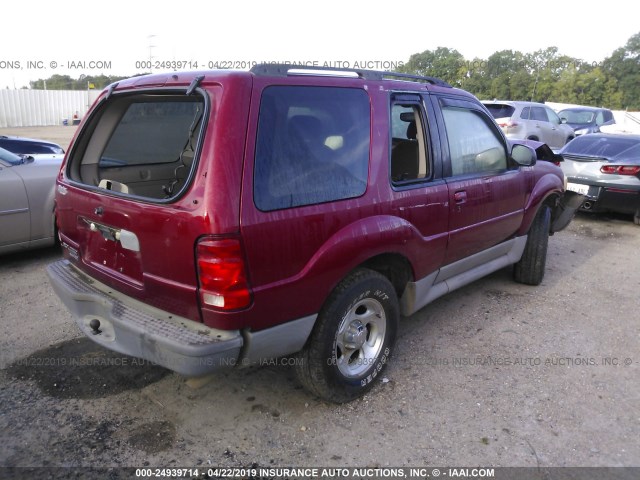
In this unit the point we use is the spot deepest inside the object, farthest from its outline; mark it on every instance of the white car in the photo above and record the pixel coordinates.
(530, 121)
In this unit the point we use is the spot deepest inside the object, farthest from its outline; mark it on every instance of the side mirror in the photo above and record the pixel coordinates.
(523, 155)
(563, 120)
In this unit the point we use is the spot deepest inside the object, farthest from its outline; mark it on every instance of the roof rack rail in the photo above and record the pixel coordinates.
(286, 69)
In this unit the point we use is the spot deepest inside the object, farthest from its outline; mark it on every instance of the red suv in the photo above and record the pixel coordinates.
(214, 219)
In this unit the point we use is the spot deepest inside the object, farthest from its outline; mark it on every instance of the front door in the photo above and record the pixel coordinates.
(486, 194)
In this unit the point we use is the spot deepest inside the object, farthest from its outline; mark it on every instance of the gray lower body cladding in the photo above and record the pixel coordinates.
(179, 344)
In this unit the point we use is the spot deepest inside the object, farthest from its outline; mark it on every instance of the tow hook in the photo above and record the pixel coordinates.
(95, 326)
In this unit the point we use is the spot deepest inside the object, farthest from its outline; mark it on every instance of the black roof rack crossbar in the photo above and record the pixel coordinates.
(284, 69)
(432, 80)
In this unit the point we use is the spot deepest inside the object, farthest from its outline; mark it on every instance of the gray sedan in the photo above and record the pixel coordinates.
(606, 169)
(27, 185)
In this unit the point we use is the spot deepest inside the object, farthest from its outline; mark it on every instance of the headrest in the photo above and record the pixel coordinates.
(412, 130)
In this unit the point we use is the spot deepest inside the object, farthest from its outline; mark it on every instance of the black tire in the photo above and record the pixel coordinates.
(530, 269)
(352, 340)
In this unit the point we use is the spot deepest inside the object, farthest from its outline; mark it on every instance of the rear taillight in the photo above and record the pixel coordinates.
(621, 169)
(508, 124)
(222, 274)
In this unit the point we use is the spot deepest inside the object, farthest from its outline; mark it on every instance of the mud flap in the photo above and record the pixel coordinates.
(566, 210)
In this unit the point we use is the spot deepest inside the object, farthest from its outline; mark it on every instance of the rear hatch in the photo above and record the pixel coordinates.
(597, 160)
(132, 198)
(502, 113)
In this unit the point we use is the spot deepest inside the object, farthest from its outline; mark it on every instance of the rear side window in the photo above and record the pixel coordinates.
(409, 159)
(539, 113)
(312, 146)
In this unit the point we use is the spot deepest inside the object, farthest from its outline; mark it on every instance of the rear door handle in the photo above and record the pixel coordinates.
(460, 197)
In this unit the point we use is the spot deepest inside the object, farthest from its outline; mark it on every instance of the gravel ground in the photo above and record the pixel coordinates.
(494, 374)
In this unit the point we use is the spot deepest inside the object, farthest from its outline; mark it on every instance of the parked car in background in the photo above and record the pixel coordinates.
(530, 121)
(605, 168)
(585, 120)
(27, 185)
(29, 146)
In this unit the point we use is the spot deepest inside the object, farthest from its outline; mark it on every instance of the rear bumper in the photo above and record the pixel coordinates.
(616, 197)
(619, 200)
(133, 328)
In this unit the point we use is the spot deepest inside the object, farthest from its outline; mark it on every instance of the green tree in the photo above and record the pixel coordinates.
(445, 63)
(624, 66)
(475, 79)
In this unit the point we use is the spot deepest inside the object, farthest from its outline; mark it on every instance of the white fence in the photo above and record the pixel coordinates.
(33, 108)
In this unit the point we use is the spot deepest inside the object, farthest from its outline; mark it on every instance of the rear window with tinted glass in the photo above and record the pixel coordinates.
(140, 144)
(25, 147)
(500, 110)
(312, 146)
(151, 132)
(618, 147)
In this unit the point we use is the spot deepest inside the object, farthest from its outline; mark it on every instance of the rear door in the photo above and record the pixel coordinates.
(557, 131)
(420, 195)
(124, 213)
(486, 195)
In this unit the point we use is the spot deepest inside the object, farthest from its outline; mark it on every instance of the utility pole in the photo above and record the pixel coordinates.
(534, 86)
(151, 47)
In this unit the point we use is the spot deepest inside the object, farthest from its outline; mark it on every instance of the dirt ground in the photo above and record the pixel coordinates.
(494, 374)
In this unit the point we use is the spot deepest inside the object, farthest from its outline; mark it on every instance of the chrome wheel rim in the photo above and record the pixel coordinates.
(360, 338)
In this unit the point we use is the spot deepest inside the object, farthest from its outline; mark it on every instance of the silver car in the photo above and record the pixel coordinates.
(606, 168)
(530, 121)
(27, 185)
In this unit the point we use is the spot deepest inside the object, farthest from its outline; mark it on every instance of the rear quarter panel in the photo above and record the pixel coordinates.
(39, 180)
(548, 184)
(297, 256)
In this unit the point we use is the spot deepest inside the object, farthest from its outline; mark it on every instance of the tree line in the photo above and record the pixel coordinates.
(544, 75)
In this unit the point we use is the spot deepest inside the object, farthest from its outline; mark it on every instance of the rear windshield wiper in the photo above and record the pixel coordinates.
(188, 146)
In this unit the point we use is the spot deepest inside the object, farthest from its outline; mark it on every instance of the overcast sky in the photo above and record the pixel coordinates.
(56, 36)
